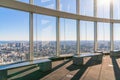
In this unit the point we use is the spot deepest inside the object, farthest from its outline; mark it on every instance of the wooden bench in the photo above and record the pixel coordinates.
(115, 53)
(98, 52)
(78, 59)
(44, 65)
(103, 52)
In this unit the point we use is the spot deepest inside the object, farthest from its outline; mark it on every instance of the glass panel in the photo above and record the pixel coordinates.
(67, 36)
(68, 6)
(103, 8)
(25, 1)
(104, 37)
(46, 3)
(14, 36)
(86, 36)
(44, 36)
(86, 7)
(116, 36)
(116, 9)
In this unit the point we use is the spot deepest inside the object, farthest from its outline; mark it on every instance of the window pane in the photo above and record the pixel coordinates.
(14, 36)
(86, 36)
(103, 8)
(104, 37)
(116, 36)
(46, 3)
(67, 36)
(44, 36)
(25, 1)
(86, 7)
(116, 9)
(68, 6)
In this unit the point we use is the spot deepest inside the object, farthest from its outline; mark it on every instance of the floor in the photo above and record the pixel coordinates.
(106, 69)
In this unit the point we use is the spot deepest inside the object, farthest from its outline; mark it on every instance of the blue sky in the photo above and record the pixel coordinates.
(14, 24)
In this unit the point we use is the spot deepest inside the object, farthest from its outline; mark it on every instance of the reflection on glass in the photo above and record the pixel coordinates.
(86, 36)
(116, 36)
(103, 37)
(68, 6)
(116, 9)
(25, 1)
(67, 36)
(103, 8)
(44, 36)
(46, 3)
(86, 7)
(14, 36)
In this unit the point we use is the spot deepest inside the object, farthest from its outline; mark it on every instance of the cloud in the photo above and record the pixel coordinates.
(44, 1)
(61, 6)
(44, 21)
(68, 8)
(47, 34)
(50, 6)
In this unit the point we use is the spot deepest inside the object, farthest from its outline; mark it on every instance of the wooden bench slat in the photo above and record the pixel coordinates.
(22, 64)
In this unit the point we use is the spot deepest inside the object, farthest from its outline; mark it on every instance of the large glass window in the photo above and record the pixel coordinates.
(68, 6)
(103, 37)
(14, 36)
(46, 3)
(116, 36)
(86, 7)
(116, 9)
(25, 1)
(67, 36)
(86, 36)
(44, 36)
(103, 8)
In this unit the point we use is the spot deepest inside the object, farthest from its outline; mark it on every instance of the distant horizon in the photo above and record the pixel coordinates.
(51, 40)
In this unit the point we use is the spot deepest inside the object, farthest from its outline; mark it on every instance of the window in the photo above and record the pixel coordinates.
(25, 1)
(86, 7)
(116, 9)
(116, 36)
(14, 36)
(67, 36)
(46, 3)
(104, 37)
(68, 6)
(86, 36)
(44, 36)
(103, 8)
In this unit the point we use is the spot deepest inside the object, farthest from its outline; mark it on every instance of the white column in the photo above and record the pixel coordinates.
(58, 30)
(78, 26)
(111, 27)
(111, 37)
(31, 33)
(95, 27)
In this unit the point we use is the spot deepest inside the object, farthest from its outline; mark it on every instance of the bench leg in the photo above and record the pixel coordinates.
(46, 66)
(95, 58)
(78, 61)
(3, 75)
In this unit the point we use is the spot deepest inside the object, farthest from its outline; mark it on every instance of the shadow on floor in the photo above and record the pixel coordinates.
(37, 75)
(116, 68)
(91, 62)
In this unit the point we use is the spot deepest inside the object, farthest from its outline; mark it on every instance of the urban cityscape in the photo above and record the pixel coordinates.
(17, 51)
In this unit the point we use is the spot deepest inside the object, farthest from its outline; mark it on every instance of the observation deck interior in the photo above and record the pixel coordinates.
(59, 39)
(107, 69)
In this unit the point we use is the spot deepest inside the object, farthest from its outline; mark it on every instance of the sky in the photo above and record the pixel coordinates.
(14, 24)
